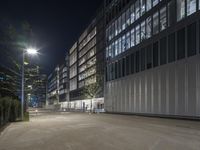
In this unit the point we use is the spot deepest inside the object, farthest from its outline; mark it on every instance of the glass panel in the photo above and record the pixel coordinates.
(171, 48)
(128, 17)
(123, 21)
(143, 59)
(199, 4)
(163, 19)
(137, 61)
(116, 27)
(149, 5)
(110, 50)
(149, 57)
(148, 27)
(128, 40)
(155, 54)
(163, 51)
(123, 43)
(180, 9)
(143, 32)
(132, 14)
(171, 12)
(137, 9)
(113, 49)
(191, 39)
(155, 2)
(143, 6)
(137, 34)
(112, 30)
(155, 23)
(132, 37)
(120, 45)
(132, 63)
(181, 44)
(191, 7)
(116, 47)
(119, 25)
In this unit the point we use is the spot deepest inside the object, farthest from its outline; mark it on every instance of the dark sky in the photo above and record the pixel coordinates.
(56, 24)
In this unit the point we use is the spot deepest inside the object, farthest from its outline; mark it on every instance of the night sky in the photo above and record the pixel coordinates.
(56, 24)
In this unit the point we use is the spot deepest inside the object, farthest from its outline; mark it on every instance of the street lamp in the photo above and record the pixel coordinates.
(30, 51)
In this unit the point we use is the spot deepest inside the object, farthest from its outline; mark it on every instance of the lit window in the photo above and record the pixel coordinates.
(123, 21)
(143, 5)
(107, 33)
(191, 7)
(163, 19)
(128, 40)
(155, 23)
(180, 9)
(116, 47)
(143, 32)
(199, 4)
(128, 17)
(137, 9)
(116, 28)
(113, 49)
(155, 2)
(132, 14)
(137, 34)
(119, 24)
(149, 5)
(120, 45)
(110, 50)
(132, 37)
(123, 43)
(113, 30)
(148, 27)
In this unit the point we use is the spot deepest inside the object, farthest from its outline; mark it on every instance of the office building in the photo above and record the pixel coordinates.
(53, 89)
(152, 57)
(64, 83)
(86, 61)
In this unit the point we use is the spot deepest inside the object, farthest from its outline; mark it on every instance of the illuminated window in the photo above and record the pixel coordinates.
(155, 23)
(155, 2)
(119, 24)
(120, 45)
(149, 5)
(123, 21)
(143, 31)
(137, 9)
(148, 27)
(137, 34)
(132, 37)
(116, 27)
(180, 9)
(143, 6)
(191, 7)
(123, 43)
(116, 47)
(163, 19)
(132, 14)
(128, 40)
(128, 17)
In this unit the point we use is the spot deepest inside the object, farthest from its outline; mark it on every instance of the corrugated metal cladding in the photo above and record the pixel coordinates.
(172, 89)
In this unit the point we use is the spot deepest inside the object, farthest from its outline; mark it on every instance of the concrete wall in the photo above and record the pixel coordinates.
(172, 89)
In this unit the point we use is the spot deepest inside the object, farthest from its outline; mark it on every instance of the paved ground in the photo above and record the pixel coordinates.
(74, 131)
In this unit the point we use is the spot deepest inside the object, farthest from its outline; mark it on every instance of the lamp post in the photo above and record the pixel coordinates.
(31, 52)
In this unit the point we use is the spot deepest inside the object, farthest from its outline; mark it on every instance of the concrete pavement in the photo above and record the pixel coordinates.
(76, 131)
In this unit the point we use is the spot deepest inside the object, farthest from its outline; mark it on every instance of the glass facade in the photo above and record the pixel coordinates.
(157, 22)
(175, 45)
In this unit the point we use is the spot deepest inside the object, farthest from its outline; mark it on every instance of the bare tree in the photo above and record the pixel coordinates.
(92, 91)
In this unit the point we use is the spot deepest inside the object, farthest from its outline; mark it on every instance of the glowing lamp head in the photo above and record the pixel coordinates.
(32, 51)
